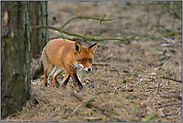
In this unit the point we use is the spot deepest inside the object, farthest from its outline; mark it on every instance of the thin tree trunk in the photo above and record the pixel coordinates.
(39, 16)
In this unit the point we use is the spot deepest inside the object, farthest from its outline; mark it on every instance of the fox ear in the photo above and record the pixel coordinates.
(77, 47)
(93, 47)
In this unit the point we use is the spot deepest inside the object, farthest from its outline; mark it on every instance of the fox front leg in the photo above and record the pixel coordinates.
(76, 80)
(66, 79)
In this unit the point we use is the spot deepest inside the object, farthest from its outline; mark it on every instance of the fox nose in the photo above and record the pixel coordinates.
(89, 69)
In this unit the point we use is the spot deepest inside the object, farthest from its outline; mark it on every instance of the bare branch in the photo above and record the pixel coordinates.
(86, 17)
(91, 38)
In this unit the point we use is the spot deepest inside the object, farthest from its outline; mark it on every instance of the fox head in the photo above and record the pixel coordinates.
(84, 56)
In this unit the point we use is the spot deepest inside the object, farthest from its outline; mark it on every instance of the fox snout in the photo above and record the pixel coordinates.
(88, 69)
(80, 67)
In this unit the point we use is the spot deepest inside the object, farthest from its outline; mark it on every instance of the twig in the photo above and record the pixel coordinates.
(90, 103)
(150, 117)
(159, 85)
(110, 116)
(100, 64)
(92, 119)
(75, 109)
(90, 99)
(103, 109)
(81, 105)
(134, 110)
(123, 106)
(170, 104)
(171, 78)
(170, 33)
(86, 17)
(104, 92)
(91, 38)
(172, 96)
(116, 71)
(164, 35)
(74, 34)
(148, 18)
(170, 9)
(79, 97)
(49, 27)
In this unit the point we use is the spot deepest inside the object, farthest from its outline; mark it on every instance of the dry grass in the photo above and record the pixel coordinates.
(132, 87)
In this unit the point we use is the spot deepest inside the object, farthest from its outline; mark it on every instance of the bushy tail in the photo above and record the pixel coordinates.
(38, 70)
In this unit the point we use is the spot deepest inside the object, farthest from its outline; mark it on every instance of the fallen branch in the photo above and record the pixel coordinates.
(170, 104)
(172, 96)
(171, 78)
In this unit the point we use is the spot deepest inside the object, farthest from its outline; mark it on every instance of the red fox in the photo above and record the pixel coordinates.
(59, 55)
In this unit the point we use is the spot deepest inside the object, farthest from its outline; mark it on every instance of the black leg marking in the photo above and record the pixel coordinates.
(66, 81)
(46, 84)
(77, 81)
(57, 83)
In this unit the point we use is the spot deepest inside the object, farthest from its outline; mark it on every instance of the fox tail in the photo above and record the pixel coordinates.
(37, 70)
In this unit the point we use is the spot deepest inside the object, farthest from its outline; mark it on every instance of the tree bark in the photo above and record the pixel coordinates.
(39, 16)
(16, 41)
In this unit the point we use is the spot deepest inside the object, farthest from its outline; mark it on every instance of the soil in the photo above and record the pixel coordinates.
(126, 83)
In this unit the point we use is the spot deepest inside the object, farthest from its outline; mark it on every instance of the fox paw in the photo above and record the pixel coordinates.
(63, 85)
(57, 85)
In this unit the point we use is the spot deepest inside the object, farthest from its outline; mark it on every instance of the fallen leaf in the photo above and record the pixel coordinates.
(171, 117)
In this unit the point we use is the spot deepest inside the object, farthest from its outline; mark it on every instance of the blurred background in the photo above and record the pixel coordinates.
(143, 44)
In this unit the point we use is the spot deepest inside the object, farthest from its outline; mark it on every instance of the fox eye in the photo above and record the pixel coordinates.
(83, 60)
(90, 60)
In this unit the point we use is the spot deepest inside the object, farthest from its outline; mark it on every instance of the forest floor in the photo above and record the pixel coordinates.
(126, 83)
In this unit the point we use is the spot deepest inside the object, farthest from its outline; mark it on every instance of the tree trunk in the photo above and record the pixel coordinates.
(39, 16)
(16, 39)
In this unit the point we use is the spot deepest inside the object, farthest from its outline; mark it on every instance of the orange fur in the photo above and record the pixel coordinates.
(60, 55)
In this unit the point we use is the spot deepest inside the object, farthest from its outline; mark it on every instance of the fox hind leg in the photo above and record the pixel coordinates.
(46, 64)
(46, 67)
(47, 71)
(55, 74)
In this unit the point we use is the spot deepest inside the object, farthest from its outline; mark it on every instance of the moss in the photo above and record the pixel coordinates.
(4, 111)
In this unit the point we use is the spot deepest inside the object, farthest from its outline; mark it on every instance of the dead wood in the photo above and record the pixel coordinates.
(171, 78)
(170, 104)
